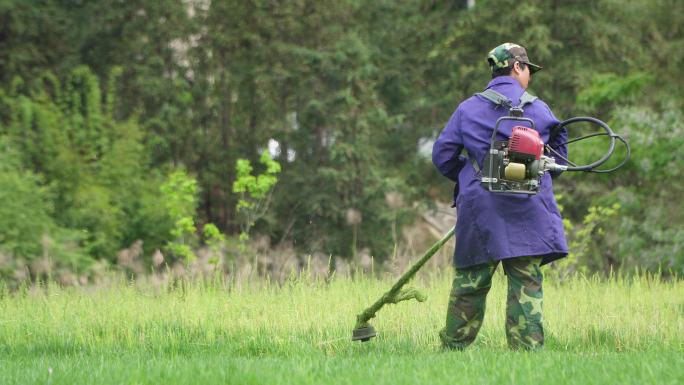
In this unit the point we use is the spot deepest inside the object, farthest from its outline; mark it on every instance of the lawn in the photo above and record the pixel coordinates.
(618, 330)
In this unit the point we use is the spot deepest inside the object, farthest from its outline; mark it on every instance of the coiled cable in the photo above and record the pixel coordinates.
(611, 147)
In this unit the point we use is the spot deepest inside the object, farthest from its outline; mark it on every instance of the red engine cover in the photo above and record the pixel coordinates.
(525, 142)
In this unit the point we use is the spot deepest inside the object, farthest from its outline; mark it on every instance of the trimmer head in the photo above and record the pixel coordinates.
(363, 334)
(363, 331)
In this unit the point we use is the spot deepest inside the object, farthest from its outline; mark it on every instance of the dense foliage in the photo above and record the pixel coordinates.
(105, 102)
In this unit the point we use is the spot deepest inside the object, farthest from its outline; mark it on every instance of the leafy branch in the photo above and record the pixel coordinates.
(255, 191)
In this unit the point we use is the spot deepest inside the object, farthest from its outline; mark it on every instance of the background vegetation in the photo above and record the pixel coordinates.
(122, 123)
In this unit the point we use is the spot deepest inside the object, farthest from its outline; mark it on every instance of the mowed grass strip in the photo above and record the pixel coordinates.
(626, 330)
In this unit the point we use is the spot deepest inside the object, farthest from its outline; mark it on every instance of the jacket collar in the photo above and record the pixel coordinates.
(504, 80)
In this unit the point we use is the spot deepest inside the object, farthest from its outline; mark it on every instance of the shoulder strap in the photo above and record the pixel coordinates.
(476, 166)
(526, 98)
(495, 97)
(500, 100)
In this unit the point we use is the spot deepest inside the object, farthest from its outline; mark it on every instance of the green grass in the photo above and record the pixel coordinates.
(622, 331)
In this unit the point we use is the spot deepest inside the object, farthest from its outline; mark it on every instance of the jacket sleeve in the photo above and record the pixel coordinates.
(447, 149)
(557, 139)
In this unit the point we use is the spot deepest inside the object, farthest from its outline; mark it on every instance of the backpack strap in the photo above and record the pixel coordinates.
(500, 100)
(476, 166)
(495, 97)
(526, 98)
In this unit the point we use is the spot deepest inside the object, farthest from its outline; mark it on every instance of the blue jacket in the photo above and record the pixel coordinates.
(493, 226)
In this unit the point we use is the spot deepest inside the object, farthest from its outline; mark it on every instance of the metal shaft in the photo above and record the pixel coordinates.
(394, 294)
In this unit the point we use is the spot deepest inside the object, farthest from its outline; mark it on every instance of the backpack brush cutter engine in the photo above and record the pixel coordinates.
(518, 164)
(511, 166)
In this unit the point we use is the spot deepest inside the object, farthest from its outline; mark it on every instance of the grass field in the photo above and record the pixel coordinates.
(619, 331)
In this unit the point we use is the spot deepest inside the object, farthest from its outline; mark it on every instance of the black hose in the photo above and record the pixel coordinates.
(592, 166)
(624, 161)
(608, 153)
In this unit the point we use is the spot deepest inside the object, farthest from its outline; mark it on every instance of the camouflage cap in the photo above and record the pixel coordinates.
(506, 54)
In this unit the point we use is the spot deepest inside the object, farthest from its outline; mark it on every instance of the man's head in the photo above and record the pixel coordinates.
(510, 59)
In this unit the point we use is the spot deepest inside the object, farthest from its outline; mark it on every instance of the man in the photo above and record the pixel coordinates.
(521, 231)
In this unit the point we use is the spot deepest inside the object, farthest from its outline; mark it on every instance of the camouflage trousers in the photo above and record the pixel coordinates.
(523, 307)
